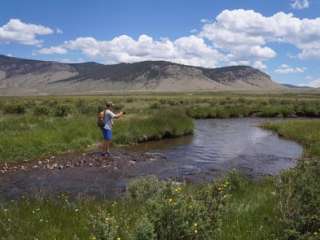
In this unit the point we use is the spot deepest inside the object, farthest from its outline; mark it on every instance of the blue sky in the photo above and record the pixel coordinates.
(279, 37)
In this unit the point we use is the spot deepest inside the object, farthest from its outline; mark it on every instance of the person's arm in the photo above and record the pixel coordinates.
(118, 115)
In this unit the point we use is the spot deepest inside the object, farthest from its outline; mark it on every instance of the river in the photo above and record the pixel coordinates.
(217, 147)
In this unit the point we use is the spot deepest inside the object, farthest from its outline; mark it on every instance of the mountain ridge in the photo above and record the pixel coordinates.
(53, 77)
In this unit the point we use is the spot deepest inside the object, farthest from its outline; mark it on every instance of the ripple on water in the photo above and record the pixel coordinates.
(225, 144)
(218, 145)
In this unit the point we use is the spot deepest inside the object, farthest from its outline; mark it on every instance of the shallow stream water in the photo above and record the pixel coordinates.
(220, 145)
(217, 147)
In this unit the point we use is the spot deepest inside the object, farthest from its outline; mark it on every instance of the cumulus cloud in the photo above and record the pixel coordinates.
(23, 33)
(246, 33)
(310, 53)
(286, 69)
(314, 83)
(233, 37)
(260, 65)
(191, 50)
(53, 50)
(300, 4)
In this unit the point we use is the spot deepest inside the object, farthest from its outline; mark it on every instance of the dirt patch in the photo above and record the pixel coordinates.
(119, 158)
(76, 174)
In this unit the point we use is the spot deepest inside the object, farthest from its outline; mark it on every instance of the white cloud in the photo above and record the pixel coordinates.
(68, 60)
(24, 33)
(59, 31)
(311, 82)
(204, 20)
(260, 65)
(286, 69)
(310, 53)
(191, 50)
(246, 33)
(233, 37)
(314, 83)
(53, 50)
(300, 4)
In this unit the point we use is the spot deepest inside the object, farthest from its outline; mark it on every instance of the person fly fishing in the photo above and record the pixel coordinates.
(105, 122)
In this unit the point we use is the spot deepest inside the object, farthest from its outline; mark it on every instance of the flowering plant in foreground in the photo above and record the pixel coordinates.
(175, 212)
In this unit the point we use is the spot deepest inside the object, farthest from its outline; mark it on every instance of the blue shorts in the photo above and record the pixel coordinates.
(107, 134)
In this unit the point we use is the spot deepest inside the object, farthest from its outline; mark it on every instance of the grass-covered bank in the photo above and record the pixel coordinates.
(232, 208)
(30, 137)
(299, 192)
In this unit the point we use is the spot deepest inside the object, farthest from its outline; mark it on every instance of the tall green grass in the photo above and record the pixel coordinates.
(156, 126)
(198, 105)
(299, 191)
(252, 212)
(29, 137)
(230, 208)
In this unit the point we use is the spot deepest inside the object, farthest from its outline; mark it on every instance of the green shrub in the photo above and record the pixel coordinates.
(41, 110)
(104, 226)
(177, 215)
(14, 108)
(62, 110)
(85, 107)
(236, 181)
(172, 211)
(300, 200)
(155, 105)
(142, 189)
(118, 107)
(129, 100)
(173, 102)
(144, 230)
(299, 188)
(1, 104)
(163, 101)
(311, 110)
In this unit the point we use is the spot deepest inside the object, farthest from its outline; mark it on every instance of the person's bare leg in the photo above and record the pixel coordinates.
(108, 146)
(103, 147)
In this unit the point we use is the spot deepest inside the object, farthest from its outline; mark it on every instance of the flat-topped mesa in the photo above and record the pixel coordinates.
(18, 75)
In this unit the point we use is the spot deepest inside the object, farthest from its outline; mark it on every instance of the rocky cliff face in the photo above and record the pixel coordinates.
(31, 76)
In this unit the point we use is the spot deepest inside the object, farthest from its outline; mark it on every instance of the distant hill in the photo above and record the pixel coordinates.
(23, 76)
(295, 86)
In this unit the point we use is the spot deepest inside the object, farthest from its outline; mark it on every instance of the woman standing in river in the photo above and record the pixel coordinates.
(105, 122)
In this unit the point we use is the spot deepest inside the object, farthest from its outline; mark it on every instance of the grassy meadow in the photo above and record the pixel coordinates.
(34, 127)
(281, 207)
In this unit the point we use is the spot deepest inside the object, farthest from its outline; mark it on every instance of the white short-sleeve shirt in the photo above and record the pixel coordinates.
(108, 116)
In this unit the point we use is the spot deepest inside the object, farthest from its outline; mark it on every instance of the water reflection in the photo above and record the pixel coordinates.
(224, 144)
